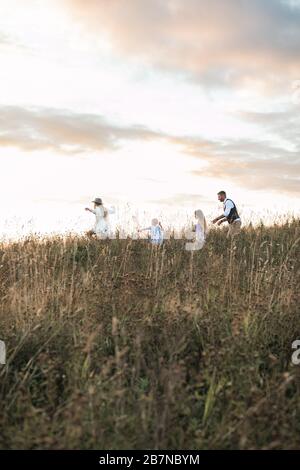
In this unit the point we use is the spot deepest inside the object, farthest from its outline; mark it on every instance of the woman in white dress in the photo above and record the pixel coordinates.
(102, 227)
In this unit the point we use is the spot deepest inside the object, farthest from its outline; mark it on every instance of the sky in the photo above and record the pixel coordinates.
(153, 105)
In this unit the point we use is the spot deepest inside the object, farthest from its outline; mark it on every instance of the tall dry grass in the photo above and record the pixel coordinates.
(117, 344)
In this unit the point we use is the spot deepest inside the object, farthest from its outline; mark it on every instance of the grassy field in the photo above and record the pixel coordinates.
(116, 344)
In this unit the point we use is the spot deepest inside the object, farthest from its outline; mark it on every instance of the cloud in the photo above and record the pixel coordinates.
(285, 124)
(230, 42)
(63, 131)
(259, 175)
(254, 164)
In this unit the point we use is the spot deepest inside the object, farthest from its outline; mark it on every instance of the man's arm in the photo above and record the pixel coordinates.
(218, 218)
(222, 220)
(228, 206)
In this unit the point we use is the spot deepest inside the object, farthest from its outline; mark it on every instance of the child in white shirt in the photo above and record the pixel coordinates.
(156, 232)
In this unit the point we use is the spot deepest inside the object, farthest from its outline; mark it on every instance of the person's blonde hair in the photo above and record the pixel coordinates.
(202, 220)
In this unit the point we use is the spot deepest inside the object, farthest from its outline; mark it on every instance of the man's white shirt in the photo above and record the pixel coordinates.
(228, 205)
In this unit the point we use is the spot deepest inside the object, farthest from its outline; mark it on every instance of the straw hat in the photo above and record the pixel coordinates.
(98, 200)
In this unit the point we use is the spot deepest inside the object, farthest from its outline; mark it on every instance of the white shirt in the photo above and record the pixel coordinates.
(228, 205)
(156, 233)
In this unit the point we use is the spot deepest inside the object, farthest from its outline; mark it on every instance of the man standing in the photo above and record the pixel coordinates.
(230, 215)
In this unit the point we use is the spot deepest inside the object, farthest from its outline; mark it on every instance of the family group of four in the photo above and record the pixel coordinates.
(230, 215)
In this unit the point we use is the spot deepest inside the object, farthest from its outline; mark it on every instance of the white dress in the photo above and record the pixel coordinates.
(200, 236)
(200, 233)
(102, 226)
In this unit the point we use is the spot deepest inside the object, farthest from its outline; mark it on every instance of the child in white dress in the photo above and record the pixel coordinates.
(200, 227)
(200, 230)
(102, 227)
(156, 232)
